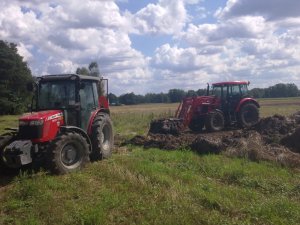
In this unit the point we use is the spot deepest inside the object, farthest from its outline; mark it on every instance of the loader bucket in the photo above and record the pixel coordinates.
(166, 126)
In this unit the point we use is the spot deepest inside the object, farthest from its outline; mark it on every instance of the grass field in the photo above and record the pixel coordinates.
(151, 186)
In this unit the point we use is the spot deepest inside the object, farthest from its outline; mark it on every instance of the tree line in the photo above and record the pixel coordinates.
(15, 74)
(176, 95)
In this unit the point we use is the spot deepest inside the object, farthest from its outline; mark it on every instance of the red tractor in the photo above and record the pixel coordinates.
(226, 104)
(69, 125)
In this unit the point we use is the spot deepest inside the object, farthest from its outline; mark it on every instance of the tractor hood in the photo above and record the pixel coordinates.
(206, 99)
(40, 126)
(42, 115)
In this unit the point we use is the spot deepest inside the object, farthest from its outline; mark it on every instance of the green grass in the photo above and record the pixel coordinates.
(157, 187)
(8, 122)
(139, 186)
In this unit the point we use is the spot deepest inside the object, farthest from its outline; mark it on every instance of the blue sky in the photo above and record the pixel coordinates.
(155, 45)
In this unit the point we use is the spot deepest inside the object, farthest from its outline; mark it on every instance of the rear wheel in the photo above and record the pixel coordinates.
(102, 137)
(214, 121)
(248, 115)
(69, 152)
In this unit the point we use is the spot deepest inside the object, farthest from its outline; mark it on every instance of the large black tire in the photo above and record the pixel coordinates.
(214, 121)
(102, 137)
(196, 125)
(69, 152)
(5, 140)
(248, 115)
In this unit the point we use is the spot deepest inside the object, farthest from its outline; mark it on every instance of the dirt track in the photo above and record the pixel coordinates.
(275, 138)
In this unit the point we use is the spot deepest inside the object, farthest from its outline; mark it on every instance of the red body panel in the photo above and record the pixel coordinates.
(196, 107)
(53, 119)
(246, 100)
(93, 115)
(103, 104)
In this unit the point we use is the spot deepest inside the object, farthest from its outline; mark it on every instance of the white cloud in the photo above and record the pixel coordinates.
(218, 33)
(250, 40)
(68, 34)
(24, 50)
(270, 9)
(165, 17)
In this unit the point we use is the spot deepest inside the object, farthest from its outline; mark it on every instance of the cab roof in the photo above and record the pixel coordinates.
(231, 83)
(67, 77)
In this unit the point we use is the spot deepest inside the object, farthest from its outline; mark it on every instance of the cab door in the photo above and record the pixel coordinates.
(88, 101)
(234, 97)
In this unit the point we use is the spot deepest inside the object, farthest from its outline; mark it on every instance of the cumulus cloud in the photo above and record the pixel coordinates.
(246, 40)
(219, 33)
(270, 9)
(165, 17)
(68, 34)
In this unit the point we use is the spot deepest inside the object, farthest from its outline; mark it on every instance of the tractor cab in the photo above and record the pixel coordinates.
(230, 94)
(76, 96)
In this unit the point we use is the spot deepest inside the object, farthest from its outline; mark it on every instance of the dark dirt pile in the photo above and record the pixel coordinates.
(275, 138)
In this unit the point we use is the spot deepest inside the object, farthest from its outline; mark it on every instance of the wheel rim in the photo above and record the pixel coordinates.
(70, 156)
(105, 138)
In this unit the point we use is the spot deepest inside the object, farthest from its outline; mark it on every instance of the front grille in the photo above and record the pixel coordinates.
(30, 132)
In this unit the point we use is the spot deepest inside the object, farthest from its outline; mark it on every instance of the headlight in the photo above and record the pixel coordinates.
(23, 123)
(36, 122)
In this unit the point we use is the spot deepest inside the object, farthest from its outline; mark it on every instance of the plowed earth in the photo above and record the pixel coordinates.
(275, 138)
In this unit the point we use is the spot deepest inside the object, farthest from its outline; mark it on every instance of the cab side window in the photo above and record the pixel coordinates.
(87, 97)
(235, 90)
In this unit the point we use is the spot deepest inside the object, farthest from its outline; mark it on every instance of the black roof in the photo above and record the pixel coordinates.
(67, 76)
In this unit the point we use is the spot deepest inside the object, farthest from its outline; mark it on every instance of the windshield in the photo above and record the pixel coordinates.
(56, 94)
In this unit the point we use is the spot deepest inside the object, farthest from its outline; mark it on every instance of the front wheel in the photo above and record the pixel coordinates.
(215, 121)
(102, 137)
(248, 115)
(4, 141)
(196, 125)
(69, 152)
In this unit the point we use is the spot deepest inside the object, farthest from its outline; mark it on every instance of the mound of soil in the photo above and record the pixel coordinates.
(274, 128)
(275, 138)
(166, 126)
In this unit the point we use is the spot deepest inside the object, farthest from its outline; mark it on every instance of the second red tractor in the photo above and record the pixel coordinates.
(226, 104)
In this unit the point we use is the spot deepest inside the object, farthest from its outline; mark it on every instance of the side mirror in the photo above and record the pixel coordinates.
(207, 89)
(30, 87)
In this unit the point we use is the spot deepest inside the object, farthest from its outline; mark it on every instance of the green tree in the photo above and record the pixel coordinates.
(201, 92)
(131, 99)
(257, 92)
(82, 71)
(176, 95)
(113, 99)
(93, 70)
(14, 76)
(191, 93)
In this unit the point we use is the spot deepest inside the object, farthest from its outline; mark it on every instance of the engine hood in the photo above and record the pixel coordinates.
(207, 99)
(42, 115)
